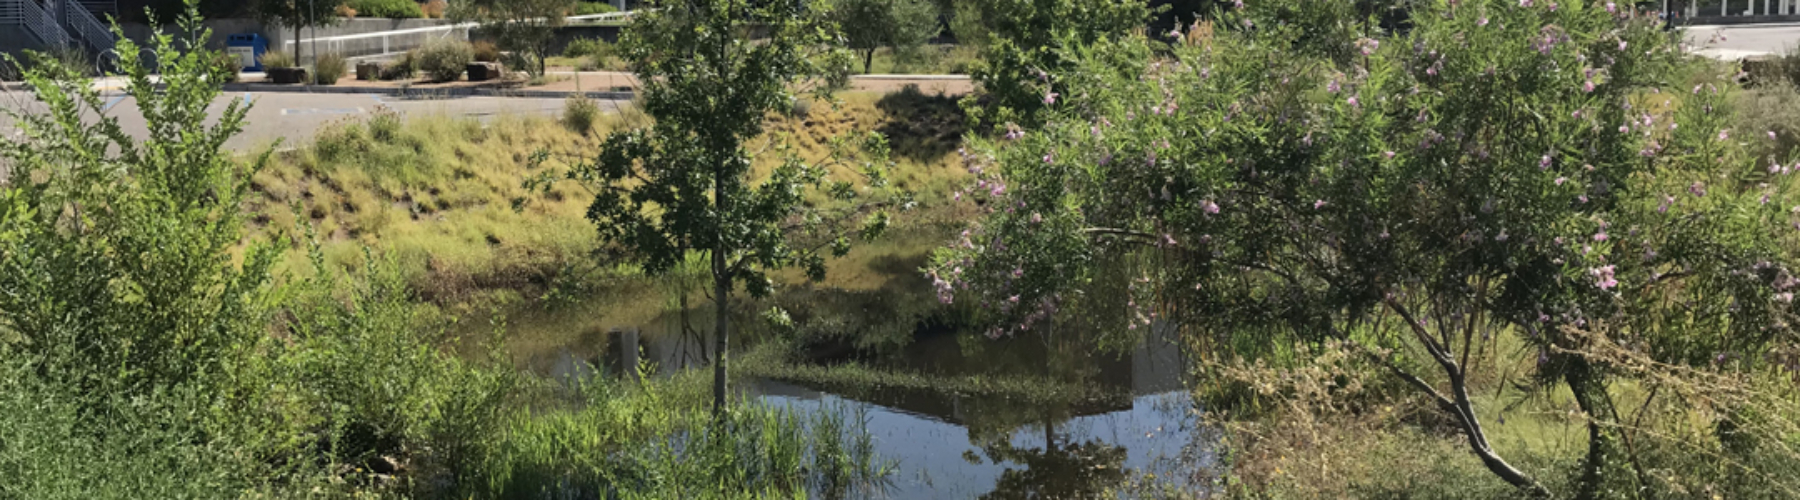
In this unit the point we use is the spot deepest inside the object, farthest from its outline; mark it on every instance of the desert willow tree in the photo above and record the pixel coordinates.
(1555, 173)
(699, 178)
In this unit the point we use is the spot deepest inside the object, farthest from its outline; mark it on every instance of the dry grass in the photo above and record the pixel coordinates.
(440, 192)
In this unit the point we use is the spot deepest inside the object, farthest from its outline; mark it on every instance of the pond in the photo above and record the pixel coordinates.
(1135, 422)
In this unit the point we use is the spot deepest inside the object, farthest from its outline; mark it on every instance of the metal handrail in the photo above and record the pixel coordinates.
(40, 23)
(333, 42)
(87, 26)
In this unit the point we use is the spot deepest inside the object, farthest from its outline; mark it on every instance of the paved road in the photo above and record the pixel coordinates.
(294, 118)
(1738, 42)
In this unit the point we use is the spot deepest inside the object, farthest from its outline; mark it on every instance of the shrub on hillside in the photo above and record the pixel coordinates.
(580, 113)
(591, 8)
(435, 9)
(445, 60)
(390, 9)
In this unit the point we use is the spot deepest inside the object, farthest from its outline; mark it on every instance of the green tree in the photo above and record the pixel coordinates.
(872, 24)
(1025, 52)
(296, 14)
(527, 28)
(687, 183)
(1560, 175)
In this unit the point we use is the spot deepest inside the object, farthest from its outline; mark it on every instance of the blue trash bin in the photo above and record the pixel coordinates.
(248, 48)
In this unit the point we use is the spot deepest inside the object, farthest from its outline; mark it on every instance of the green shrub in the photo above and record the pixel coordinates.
(329, 68)
(580, 113)
(406, 67)
(392, 9)
(588, 47)
(276, 59)
(590, 8)
(445, 60)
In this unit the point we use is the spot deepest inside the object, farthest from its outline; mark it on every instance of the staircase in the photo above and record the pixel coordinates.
(67, 24)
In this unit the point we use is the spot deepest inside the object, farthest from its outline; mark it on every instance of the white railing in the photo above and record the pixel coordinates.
(86, 26)
(382, 43)
(1735, 8)
(36, 21)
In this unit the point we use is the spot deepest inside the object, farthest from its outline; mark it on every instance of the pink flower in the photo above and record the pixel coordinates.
(1036, 218)
(1611, 8)
(1524, 3)
(1603, 276)
(1663, 208)
(1353, 102)
(1050, 98)
(1482, 22)
(1332, 86)
(1621, 45)
(1698, 189)
(1544, 162)
(1724, 134)
(1588, 86)
(1317, 204)
(1050, 158)
(1209, 207)
(1600, 236)
(1389, 155)
(1561, 180)
(1785, 297)
(1168, 240)
(1013, 299)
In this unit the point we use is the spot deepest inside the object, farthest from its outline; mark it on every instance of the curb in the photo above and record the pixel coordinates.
(425, 93)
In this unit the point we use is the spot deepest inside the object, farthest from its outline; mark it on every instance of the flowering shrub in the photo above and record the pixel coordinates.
(1558, 172)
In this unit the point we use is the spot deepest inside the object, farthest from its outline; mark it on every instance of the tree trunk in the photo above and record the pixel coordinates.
(1595, 473)
(296, 44)
(868, 61)
(722, 299)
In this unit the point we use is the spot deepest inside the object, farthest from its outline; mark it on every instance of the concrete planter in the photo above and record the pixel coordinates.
(484, 71)
(369, 71)
(287, 75)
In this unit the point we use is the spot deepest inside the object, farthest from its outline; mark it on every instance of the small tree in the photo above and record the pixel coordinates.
(872, 24)
(296, 14)
(686, 183)
(1557, 175)
(527, 28)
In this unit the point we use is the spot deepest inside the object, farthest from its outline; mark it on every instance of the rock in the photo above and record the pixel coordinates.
(369, 71)
(483, 71)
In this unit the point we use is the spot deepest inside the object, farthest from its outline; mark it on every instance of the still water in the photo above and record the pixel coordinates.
(947, 445)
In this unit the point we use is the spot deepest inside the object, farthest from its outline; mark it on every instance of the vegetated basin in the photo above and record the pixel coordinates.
(1090, 419)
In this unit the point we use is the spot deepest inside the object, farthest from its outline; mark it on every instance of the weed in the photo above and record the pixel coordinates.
(276, 59)
(329, 68)
(579, 114)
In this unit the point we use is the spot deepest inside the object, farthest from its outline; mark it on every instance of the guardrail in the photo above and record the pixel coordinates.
(86, 26)
(35, 20)
(383, 43)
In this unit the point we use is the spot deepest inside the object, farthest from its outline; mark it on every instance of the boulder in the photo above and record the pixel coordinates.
(369, 71)
(483, 71)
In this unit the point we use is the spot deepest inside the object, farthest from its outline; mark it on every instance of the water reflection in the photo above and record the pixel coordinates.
(951, 445)
(1076, 457)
